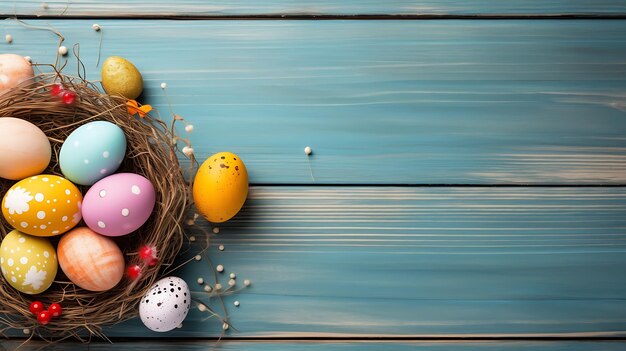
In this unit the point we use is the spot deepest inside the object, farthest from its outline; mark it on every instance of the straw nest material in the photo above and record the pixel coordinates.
(151, 152)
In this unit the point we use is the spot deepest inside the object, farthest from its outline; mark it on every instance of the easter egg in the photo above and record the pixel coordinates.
(220, 187)
(43, 205)
(165, 305)
(92, 152)
(28, 263)
(89, 260)
(24, 149)
(119, 204)
(14, 69)
(120, 77)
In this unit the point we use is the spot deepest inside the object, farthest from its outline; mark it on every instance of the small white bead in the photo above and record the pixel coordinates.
(200, 281)
(63, 50)
(27, 58)
(308, 150)
(225, 326)
(188, 151)
(218, 286)
(220, 268)
(198, 257)
(179, 326)
(201, 308)
(96, 27)
(189, 128)
(8, 38)
(233, 276)
(232, 282)
(216, 230)
(221, 247)
(192, 238)
(236, 303)
(163, 85)
(208, 288)
(26, 331)
(247, 282)
(44, 5)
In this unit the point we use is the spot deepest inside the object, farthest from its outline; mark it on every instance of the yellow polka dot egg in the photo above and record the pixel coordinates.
(43, 205)
(28, 263)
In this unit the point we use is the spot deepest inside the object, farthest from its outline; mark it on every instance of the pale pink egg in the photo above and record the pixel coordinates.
(90, 260)
(119, 204)
(14, 69)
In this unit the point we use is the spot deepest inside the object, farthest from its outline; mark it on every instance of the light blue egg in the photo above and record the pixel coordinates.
(92, 152)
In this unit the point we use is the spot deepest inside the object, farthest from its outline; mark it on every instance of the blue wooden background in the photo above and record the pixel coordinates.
(392, 231)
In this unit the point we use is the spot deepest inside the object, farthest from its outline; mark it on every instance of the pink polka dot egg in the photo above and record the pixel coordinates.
(119, 204)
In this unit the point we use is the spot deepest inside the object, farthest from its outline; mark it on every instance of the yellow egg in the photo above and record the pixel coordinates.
(120, 77)
(24, 149)
(220, 187)
(28, 263)
(43, 205)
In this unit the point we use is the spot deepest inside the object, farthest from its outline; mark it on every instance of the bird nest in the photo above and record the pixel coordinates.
(151, 152)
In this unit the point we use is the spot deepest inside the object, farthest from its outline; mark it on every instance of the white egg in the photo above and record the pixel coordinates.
(165, 305)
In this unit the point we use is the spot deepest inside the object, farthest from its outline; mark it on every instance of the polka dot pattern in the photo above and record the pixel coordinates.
(43, 205)
(27, 262)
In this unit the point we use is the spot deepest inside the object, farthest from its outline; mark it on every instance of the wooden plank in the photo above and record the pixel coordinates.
(407, 102)
(417, 262)
(327, 345)
(318, 7)
(330, 346)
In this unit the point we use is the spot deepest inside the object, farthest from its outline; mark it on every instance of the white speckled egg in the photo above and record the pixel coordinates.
(92, 152)
(165, 305)
(28, 263)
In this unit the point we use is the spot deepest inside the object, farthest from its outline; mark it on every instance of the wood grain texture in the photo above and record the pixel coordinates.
(417, 262)
(406, 102)
(146, 345)
(318, 7)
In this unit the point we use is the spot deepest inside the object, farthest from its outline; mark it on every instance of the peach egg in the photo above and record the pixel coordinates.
(24, 149)
(43, 205)
(90, 260)
(14, 69)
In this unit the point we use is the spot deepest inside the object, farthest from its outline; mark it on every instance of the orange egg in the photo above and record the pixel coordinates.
(220, 187)
(90, 260)
(24, 149)
(43, 205)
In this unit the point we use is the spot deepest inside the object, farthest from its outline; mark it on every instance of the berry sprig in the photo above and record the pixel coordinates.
(148, 254)
(45, 316)
(67, 96)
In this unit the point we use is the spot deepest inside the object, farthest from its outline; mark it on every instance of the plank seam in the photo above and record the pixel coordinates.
(297, 16)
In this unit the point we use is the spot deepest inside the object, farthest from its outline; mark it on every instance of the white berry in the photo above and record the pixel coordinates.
(216, 230)
(247, 282)
(188, 151)
(189, 128)
(8, 38)
(221, 247)
(308, 150)
(201, 307)
(220, 268)
(233, 276)
(232, 282)
(198, 257)
(63, 50)
(236, 303)
(218, 286)
(200, 281)
(207, 288)
(163, 85)
(96, 27)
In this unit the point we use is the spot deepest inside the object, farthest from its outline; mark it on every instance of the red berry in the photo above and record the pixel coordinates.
(148, 253)
(133, 272)
(56, 90)
(69, 97)
(36, 307)
(153, 262)
(55, 310)
(44, 317)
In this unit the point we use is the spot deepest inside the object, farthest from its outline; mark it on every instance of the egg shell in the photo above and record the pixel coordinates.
(28, 263)
(89, 260)
(14, 69)
(120, 77)
(92, 152)
(165, 305)
(43, 205)
(220, 187)
(119, 204)
(24, 149)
